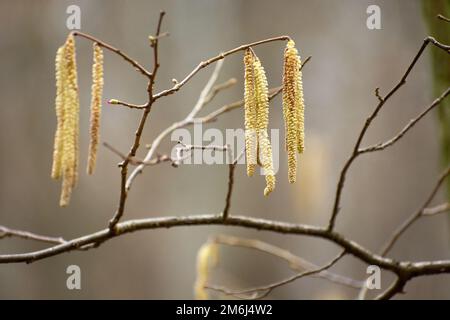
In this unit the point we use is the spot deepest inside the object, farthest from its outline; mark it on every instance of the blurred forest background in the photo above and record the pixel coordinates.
(348, 62)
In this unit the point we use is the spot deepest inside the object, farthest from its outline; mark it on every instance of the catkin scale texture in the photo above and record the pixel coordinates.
(59, 108)
(262, 122)
(96, 103)
(250, 113)
(293, 108)
(65, 154)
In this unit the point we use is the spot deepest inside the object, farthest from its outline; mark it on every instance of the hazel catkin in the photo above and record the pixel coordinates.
(207, 257)
(293, 108)
(65, 154)
(262, 122)
(59, 107)
(96, 104)
(250, 113)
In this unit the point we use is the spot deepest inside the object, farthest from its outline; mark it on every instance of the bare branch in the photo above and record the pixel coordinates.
(415, 216)
(404, 270)
(231, 169)
(126, 104)
(295, 262)
(192, 116)
(442, 208)
(441, 17)
(133, 62)
(137, 138)
(381, 102)
(136, 161)
(206, 63)
(263, 291)
(396, 287)
(190, 147)
(412, 123)
(238, 104)
(421, 212)
(7, 232)
(377, 94)
(186, 121)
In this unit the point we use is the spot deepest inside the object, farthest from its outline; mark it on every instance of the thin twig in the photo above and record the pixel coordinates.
(126, 104)
(7, 232)
(206, 63)
(132, 153)
(443, 18)
(296, 263)
(377, 94)
(442, 208)
(381, 102)
(422, 211)
(136, 161)
(133, 62)
(231, 169)
(192, 116)
(412, 123)
(190, 147)
(186, 121)
(396, 287)
(415, 216)
(263, 291)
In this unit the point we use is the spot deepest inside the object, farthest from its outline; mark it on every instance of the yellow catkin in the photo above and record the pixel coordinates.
(250, 113)
(207, 257)
(293, 108)
(267, 161)
(262, 122)
(300, 109)
(96, 103)
(59, 107)
(70, 128)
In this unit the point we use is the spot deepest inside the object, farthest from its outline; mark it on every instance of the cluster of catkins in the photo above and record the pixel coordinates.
(65, 154)
(256, 107)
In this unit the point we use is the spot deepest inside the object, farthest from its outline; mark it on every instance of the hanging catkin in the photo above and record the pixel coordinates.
(96, 104)
(262, 121)
(65, 154)
(250, 113)
(60, 71)
(300, 109)
(207, 257)
(293, 107)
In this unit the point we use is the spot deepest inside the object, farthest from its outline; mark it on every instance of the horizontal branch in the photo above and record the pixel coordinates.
(351, 247)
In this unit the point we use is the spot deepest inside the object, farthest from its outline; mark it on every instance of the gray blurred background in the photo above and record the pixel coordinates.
(348, 62)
